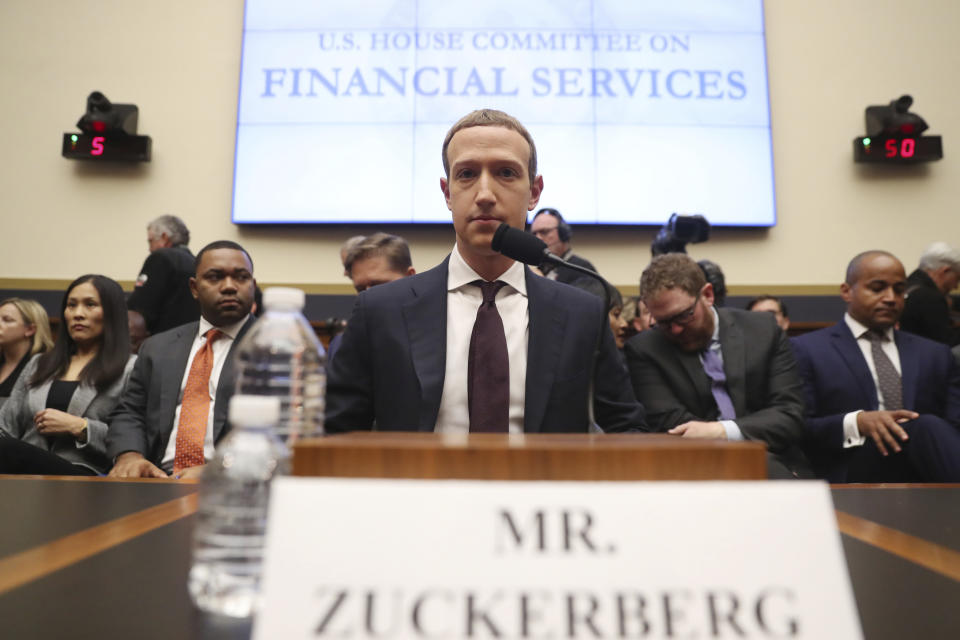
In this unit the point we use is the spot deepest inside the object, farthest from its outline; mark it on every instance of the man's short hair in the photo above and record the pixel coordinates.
(671, 271)
(940, 254)
(393, 248)
(853, 268)
(759, 299)
(221, 244)
(491, 118)
(173, 226)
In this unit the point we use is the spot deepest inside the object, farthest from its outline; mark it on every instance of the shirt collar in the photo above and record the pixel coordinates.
(715, 338)
(230, 330)
(859, 329)
(460, 274)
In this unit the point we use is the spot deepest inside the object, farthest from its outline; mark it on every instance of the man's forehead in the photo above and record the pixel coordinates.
(486, 138)
(223, 259)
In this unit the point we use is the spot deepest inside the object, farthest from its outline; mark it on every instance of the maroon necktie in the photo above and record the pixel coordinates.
(488, 368)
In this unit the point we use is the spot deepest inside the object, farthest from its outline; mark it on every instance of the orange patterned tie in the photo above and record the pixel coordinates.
(195, 408)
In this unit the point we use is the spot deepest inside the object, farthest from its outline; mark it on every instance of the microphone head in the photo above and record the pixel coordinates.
(518, 245)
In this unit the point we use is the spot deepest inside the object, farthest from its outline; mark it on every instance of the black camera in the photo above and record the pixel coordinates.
(680, 230)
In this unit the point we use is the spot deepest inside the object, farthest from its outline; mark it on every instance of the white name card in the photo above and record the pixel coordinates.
(553, 560)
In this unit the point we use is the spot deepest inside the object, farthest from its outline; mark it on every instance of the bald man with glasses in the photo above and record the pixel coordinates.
(720, 374)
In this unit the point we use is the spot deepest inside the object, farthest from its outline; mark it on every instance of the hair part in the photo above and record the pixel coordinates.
(221, 244)
(173, 226)
(111, 359)
(764, 297)
(940, 254)
(393, 248)
(853, 268)
(491, 118)
(34, 315)
(671, 271)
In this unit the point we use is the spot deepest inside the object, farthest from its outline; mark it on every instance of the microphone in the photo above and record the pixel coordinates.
(529, 249)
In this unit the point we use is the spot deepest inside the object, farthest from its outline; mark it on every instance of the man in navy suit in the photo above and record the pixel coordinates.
(413, 348)
(881, 405)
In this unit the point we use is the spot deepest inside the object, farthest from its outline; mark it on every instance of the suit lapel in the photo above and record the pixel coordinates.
(734, 361)
(227, 381)
(81, 399)
(846, 345)
(909, 370)
(428, 343)
(174, 366)
(548, 320)
(37, 397)
(690, 363)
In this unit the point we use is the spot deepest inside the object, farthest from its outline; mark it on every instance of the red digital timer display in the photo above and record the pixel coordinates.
(901, 150)
(116, 148)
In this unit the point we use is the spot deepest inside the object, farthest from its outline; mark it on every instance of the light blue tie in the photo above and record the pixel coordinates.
(713, 367)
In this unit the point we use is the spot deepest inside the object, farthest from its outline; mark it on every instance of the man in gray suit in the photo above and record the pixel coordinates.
(142, 439)
(721, 374)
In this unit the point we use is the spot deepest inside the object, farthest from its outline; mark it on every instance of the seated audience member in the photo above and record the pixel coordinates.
(57, 413)
(773, 305)
(882, 405)
(345, 249)
(714, 275)
(549, 226)
(637, 316)
(174, 408)
(138, 331)
(479, 343)
(618, 324)
(24, 332)
(377, 259)
(722, 374)
(373, 260)
(927, 310)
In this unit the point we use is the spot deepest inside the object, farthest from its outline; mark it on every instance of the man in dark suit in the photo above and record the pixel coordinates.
(882, 405)
(721, 374)
(143, 434)
(926, 311)
(480, 343)
(548, 225)
(161, 296)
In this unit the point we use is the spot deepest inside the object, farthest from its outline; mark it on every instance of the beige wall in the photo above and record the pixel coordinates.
(178, 60)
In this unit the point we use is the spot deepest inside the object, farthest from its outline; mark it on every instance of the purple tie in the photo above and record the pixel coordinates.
(713, 367)
(488, 368)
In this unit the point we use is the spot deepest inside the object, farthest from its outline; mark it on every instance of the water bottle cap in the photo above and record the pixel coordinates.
(248, 410)
(284, 298)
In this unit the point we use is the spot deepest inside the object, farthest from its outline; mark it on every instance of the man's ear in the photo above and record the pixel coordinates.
(193, 289)
(708, 294)
(846, 292)
(445, 187)
(536, 188)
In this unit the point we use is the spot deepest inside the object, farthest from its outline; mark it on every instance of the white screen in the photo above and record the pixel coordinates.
(639, 108)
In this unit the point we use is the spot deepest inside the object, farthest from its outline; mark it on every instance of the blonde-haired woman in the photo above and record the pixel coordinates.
(24, 332)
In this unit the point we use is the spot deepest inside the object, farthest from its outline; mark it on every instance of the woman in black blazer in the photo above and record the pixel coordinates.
(55, 419)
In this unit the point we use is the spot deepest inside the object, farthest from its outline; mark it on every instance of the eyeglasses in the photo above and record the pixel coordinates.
(543, 232)
(683, 318)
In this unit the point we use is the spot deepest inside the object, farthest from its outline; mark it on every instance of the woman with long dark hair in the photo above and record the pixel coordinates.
(55, 420)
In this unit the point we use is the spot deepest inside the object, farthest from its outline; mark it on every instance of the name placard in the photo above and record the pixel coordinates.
(539, 560)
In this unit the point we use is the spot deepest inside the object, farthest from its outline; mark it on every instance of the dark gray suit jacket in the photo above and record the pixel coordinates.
(16, 418)
(389, 370)
(143, 419)
(761, 375)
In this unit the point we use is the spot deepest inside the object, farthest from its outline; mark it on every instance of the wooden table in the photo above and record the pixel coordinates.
(99, 558)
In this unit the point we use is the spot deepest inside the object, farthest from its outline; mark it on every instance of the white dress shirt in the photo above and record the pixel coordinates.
(463, 301)
(221, 347)
(851, 434)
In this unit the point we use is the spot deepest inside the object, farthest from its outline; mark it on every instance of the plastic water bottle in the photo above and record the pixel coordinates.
(232, 511)
(281, 356)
